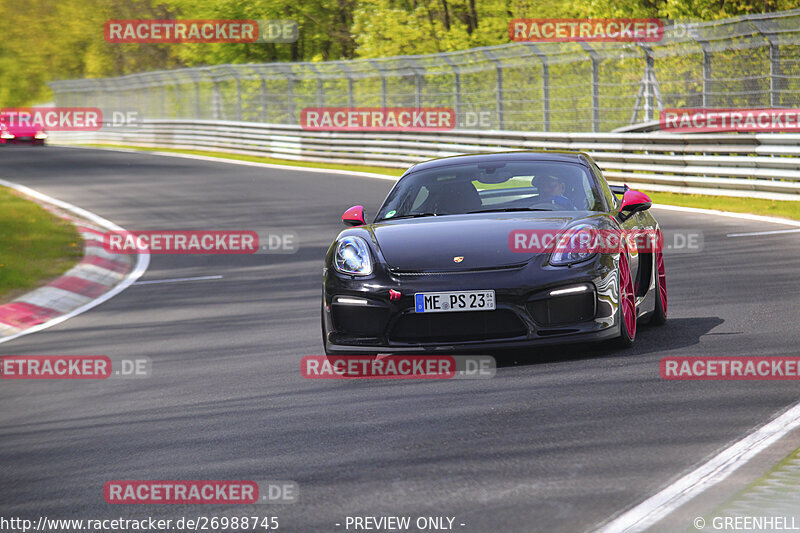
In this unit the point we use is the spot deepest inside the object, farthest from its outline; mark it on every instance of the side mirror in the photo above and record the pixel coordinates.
(354, 216)
(632, 203)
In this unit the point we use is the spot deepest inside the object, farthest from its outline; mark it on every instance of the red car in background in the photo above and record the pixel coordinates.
(11, 133)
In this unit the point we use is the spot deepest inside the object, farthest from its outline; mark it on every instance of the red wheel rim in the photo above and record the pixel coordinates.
(662, 281)
(628, 298)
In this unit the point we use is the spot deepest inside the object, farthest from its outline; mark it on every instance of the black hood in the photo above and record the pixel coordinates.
(432, 243)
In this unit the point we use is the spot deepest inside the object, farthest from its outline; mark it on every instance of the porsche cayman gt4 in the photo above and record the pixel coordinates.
(478, 252)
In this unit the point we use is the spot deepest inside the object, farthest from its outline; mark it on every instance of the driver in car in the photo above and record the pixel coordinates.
(551, 189)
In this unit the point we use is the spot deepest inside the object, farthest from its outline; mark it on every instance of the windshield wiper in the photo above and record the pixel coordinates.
(413, 215)
(508, 209)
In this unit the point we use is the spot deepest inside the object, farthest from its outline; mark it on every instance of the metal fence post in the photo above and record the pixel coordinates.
(349, 74)
(498, 87)
(706, 73)
(162, 97)
(235, 72)
(320, 95)
(193, 74)
(290, 97)
(456, 86)
(417, 82)
(545, 85)
(176, 93)
(137, 91)
(376, 64)
(99, 99)
(649, 84)
(595, 57)
(216, 104)
(774, 75)
(263, 97)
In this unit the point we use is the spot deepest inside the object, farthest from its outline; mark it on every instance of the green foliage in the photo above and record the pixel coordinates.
(35, 246)
(44, 40)
(324, 30)
(55, 39)
(719, 9)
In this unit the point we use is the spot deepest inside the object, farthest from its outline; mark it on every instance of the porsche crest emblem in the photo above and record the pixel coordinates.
(458, 258)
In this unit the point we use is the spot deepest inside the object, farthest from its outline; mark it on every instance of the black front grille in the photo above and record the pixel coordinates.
(458, 326)
(366, 321)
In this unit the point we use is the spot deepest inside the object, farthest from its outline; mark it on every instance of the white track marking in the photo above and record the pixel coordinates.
(706, 475)
(776, 232)
(176, 280)
(729, 214)
(142, 261)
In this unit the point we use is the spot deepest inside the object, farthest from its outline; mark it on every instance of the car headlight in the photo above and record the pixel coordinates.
(6, 135)
(352, 257)
(574, 245)
(40, 135)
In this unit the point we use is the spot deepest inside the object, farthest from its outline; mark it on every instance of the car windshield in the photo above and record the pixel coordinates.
(494, 186)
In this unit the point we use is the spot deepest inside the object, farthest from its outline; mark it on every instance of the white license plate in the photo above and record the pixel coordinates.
(444, 302)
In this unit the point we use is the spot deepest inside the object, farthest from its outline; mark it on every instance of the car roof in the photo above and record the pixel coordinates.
(516, 155)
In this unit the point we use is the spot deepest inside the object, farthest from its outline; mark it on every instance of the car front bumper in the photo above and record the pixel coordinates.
(525, 315)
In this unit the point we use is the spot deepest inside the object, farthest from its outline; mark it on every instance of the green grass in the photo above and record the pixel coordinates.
(35, 246)
(782, 480)
(757, 206)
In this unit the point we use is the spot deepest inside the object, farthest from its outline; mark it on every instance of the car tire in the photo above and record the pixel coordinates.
(659, 316)
(627, 304)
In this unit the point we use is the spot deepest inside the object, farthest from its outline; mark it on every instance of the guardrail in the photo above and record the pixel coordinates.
(749, 165)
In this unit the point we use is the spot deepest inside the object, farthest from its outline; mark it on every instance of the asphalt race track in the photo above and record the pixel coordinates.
(560, 442)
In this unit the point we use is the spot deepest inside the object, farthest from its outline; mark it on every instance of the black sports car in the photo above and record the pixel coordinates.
(438, 270)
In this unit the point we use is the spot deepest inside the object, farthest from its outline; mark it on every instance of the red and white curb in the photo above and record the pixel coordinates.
(99, 276)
